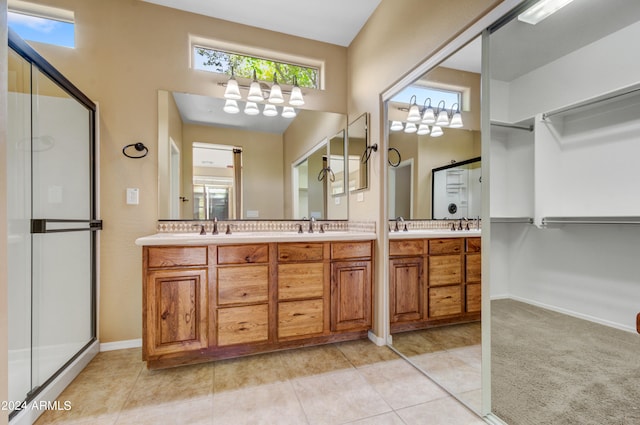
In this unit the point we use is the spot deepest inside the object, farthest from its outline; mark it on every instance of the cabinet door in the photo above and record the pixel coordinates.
(445, 301)
(406, 292)
(473, 268)
(474, 298)
(243, 325)
(300, 318)
(176, 311)
(350, 295)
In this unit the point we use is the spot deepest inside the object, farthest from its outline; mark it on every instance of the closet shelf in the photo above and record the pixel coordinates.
(591, 220)
(610, 97)
(527, 220)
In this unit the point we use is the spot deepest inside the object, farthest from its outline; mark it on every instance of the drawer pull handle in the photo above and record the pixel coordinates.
(165, 315)
(298, 314)
(247, 259)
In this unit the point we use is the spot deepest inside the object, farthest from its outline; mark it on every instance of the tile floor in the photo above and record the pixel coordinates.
(352, 382)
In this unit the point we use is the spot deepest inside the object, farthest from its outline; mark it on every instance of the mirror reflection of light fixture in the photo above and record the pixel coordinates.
(542, 10)
(414, 111)
(251, 108)
(270, 110)
(410, 128)
(255, 91)
(232, 91)
(231, 106)
(396, 126)
(423, 129)
(436, 131)
(428, 116)
(288, 112)
(275, 96)
(296, 98)
(456, 118)
(443, 115)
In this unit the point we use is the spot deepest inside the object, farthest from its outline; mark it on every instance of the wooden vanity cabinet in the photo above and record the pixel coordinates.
(220, 301)
(433, 282)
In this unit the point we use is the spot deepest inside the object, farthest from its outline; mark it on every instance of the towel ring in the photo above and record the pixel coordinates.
(140, 147)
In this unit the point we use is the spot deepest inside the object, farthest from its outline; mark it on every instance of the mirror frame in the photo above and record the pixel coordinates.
(446, 167)
(361, 154)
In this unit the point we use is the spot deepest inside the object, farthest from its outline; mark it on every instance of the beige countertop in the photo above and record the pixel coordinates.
(435, 233)
(252, 237)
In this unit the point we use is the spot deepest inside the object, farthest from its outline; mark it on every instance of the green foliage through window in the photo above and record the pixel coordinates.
(243, 66)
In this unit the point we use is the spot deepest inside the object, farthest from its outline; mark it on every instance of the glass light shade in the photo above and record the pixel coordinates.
(251, 108)
(436, 131)
(288, 112)
(231, 106)
(396, 126)
(270, 110)
(429, 117)
(296, 98)
(255, 92)
(456, 120)
(410, 128)
(414, 114)
(276, 94)
(423, 129)
(443, 118)
(232, 91)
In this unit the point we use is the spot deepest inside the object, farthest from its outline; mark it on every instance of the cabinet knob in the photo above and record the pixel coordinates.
(165, 315)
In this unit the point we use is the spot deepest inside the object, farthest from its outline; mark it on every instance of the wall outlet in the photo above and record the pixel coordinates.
(253, 214)
(133, 196)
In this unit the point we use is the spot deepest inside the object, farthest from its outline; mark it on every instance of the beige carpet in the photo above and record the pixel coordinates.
(549, 368)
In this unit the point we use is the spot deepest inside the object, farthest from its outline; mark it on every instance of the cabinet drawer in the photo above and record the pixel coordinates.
(445, 246)
(300, 281)
(474, 298)
(474, 244)
(350, 250)
(445, 270)
(172, 256)
(401, 248)
(299, 318)
(474, 268)
(242, 284)
(445, 301)
(242, 254)
(300, 252)
(239, 325)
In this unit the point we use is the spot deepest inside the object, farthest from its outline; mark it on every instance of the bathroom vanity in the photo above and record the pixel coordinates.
(434, 278)
(213, 297)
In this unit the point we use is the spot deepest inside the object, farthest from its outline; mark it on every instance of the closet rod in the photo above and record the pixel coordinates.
(517, 127)
(604, 98)
(527, 220)
(591, 220)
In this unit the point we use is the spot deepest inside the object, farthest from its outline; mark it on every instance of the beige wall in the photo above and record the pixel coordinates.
(261, 165)
(169, 128)
(4, 330)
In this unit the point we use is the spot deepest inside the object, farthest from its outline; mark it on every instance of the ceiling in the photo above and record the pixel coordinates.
(329, 21)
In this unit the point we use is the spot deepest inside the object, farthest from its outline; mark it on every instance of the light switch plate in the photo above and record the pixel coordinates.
(133, 196)
(360, 197)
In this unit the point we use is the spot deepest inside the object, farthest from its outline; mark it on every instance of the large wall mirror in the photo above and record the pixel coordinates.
(238, 166)
(448, 353)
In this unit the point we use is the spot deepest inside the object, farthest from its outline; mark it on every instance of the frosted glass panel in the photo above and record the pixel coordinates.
(19, 215)
(61, 157)
(62, 322)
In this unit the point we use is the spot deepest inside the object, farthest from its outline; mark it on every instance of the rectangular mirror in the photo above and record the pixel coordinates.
(456, 190)
(357, 143)
(310, 184)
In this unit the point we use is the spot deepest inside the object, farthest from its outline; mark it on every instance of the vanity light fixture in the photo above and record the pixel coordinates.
(423, 129)
(443, 115)
(436, 131)
(232, 91)
(251, 108)
(231, 106)
(270, 110)
(456, 118)
(275, 96)
(542, 10)
(396, 126)
(414, 111)
(410, 127)
(428, 116)
(296, 98)
(288, 112)
(255, 91)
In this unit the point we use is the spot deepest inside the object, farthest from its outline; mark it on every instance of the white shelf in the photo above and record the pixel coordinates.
(591, 220)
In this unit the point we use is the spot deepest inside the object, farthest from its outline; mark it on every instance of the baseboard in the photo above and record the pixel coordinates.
(46, 397)
(121, 345)
(376, 339)
(500, 297)
(575, 314)
(493, 419)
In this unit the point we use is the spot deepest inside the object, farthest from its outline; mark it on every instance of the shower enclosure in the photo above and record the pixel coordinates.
(52, 228)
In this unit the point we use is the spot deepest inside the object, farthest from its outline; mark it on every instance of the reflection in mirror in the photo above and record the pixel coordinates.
(357, 143)
(434, 283)
(270, 146)
(311, 177)
(456, 190)
(564, 297)
(337, 163)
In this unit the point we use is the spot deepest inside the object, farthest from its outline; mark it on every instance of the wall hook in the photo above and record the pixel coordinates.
(139, 146)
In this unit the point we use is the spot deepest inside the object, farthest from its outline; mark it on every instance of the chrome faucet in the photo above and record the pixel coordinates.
(215, 226)
(398, 219)
(311, 221)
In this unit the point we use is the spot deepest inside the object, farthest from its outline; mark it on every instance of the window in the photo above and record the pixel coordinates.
(450, 97)
(42, 23)
(220, 61)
